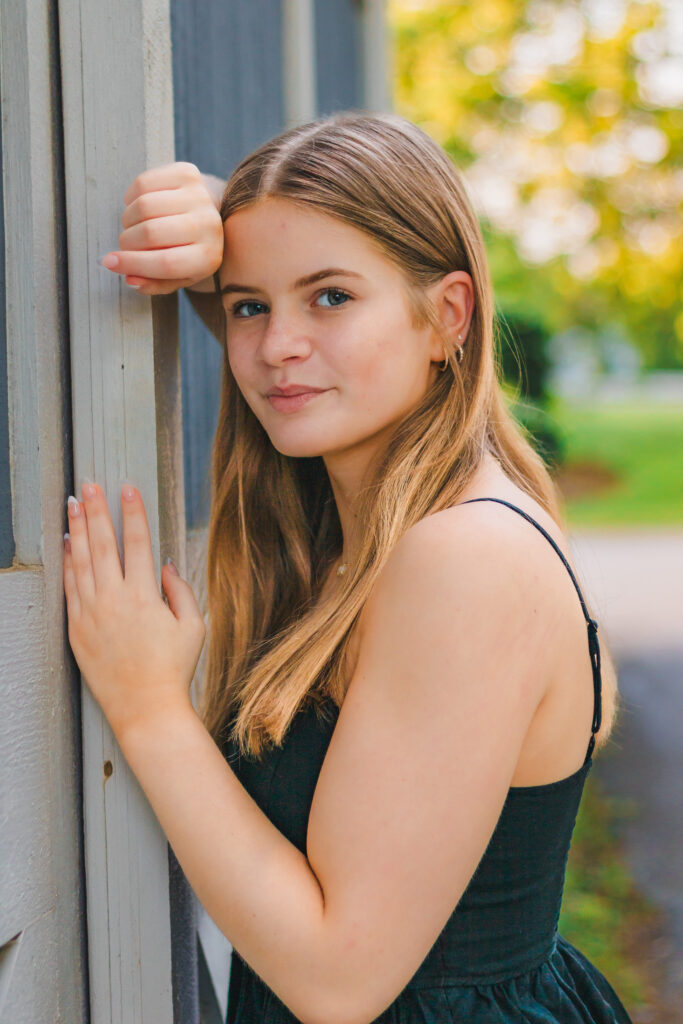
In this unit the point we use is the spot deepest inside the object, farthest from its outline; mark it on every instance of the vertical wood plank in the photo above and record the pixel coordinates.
(376, 57)
(118, 120)
(298, 41)
(41, 900)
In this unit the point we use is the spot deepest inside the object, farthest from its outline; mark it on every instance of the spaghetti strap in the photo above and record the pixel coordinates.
(593, 643)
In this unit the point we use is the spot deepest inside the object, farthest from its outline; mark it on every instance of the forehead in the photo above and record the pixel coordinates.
(273, 234)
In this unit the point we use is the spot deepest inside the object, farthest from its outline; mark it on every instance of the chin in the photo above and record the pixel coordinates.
(298, 451)
(309, 445)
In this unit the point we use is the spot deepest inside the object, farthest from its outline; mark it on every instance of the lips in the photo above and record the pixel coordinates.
(297, 399)
(293, 389)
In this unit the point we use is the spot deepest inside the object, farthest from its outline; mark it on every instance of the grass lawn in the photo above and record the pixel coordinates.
(623, 464)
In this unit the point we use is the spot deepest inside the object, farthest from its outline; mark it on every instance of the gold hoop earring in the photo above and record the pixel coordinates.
(458, 355)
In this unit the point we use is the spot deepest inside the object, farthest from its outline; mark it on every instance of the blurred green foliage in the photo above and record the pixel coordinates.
(603, 913)
(559, 116)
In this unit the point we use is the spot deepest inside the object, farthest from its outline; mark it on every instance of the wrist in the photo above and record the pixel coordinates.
(215, 187)
(206, 285)
(135, 729)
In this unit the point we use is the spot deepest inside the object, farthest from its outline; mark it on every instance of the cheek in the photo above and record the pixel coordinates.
(239, 362)
(390, 361)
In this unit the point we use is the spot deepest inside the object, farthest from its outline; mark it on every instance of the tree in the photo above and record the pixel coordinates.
(561, 116)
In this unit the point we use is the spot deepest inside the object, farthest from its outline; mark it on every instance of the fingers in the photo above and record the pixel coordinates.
(73, 604)
(150, 286)
(81, 562)
(167, 176)
(163, 232)
(99, 532)
(181, 598)
(166, 203)
(137, 542)
(182, 261)
(172, 232)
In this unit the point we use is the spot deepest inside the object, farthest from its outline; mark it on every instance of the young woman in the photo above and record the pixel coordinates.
(403, 685)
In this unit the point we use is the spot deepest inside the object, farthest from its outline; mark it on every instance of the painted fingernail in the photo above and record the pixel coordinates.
(110, 261)
(73, 506)
(88, 489)
(171, 567)
(128, 492)
(67, 543)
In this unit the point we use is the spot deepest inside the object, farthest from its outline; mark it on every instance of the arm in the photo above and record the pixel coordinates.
(172, 231)
(452, 652)
(173, 238)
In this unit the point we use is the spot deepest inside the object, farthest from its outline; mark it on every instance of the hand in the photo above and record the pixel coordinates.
(138, 655)
(173, 233)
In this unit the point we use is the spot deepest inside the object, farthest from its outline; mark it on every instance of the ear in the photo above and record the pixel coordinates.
(453, 298)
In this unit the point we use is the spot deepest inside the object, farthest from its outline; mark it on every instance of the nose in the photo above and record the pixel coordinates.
(284, 339)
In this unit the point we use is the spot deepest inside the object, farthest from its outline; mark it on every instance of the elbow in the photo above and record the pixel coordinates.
(335, 1013)
(340, 1008)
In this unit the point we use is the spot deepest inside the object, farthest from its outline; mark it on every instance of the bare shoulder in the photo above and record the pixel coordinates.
(482, 551)
(465, 593)
(474, 594)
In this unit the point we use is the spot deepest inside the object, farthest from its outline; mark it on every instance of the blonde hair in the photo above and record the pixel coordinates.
(273, 645)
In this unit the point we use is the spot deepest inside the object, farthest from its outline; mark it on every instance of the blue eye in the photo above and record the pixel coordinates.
(237, 309)
(336, 293)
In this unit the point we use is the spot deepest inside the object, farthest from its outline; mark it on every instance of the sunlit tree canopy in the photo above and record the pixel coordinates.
(565, 119)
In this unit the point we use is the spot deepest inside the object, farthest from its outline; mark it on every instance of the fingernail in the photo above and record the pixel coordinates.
(172, 567)
(135, 286)
(67, 543)
(128, 492)
(88, 489)
(73, 506)
(110, 261)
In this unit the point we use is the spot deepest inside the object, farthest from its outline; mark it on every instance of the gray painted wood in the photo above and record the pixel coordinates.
(6, 534)
(118, 119)
(41, 914)
(377, 56)
(298, 44)
(338, 40)
(42, 921)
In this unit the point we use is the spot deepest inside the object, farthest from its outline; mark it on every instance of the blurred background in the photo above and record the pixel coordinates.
(565, 119)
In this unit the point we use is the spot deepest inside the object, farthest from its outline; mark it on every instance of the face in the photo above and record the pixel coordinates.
(313, 307)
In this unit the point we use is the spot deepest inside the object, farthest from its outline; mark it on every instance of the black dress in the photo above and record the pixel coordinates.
(499, 958)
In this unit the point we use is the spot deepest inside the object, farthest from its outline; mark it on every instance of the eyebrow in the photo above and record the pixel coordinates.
(301, 283)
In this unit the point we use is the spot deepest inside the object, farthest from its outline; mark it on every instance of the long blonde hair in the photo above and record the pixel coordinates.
(273, 645)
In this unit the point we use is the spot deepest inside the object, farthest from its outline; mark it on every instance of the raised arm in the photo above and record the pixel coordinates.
(173, 237)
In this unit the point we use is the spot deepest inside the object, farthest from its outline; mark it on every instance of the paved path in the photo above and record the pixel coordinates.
(633, 583)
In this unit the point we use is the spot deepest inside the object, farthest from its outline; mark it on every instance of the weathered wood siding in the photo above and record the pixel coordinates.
(6, 534)
(118, 119)
(42, 922)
